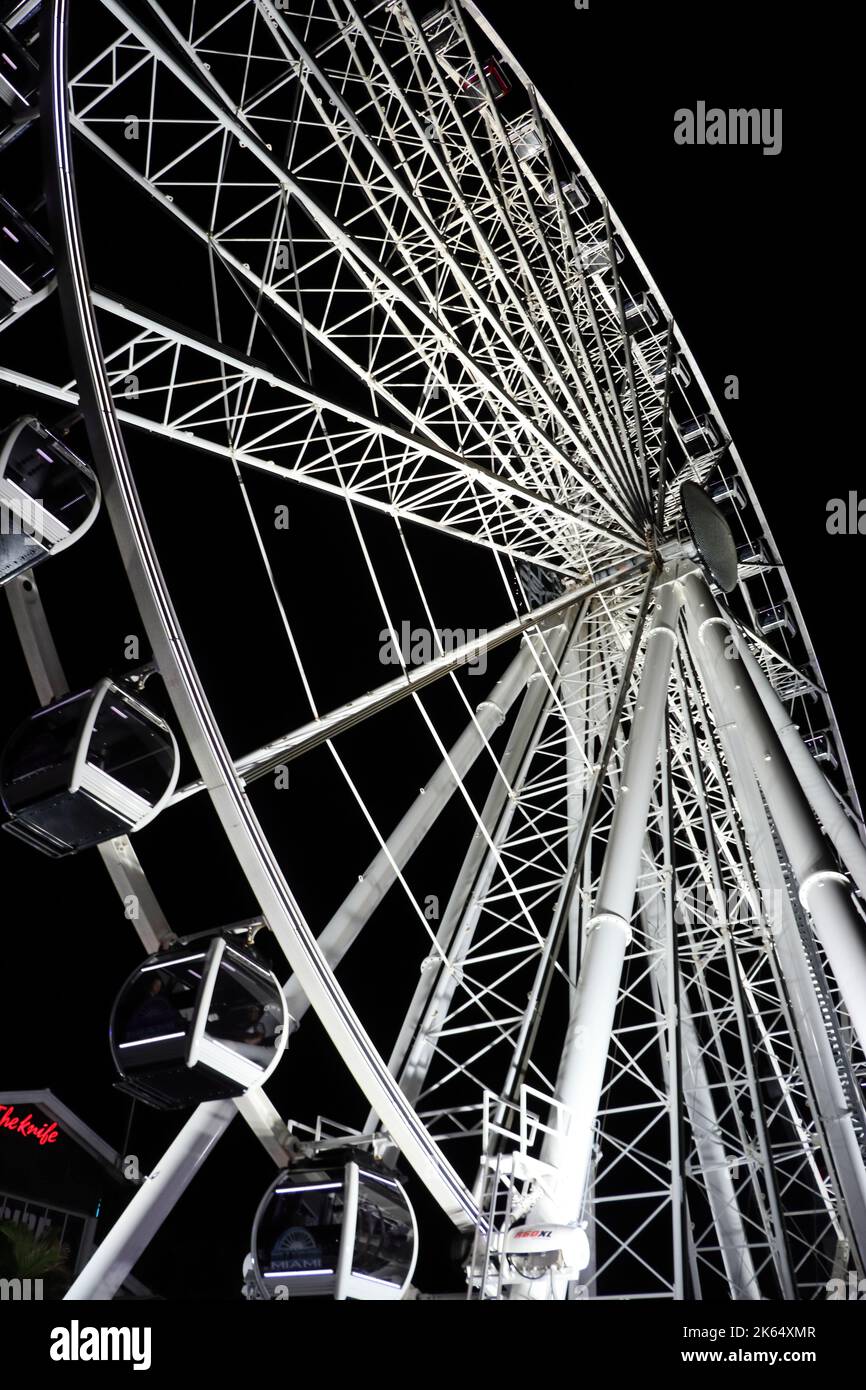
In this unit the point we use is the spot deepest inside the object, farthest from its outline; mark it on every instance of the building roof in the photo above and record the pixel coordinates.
(71, 1125)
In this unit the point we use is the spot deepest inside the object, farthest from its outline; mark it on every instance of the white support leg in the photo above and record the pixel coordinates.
(112, 1261)
(700, 1105)
(716, 1170)
(575, 702)
(824, 892)
(842, 1150)
(581, 1074)
(820, 795)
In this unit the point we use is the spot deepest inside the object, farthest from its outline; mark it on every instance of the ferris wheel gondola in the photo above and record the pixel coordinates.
(203, 1020)
(49, 497)
(86, 769)
(19, 72)
(335, 1229)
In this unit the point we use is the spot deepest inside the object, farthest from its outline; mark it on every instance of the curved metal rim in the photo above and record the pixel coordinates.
(190, 703)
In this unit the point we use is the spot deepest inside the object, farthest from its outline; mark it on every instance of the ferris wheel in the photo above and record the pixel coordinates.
(629, 1057)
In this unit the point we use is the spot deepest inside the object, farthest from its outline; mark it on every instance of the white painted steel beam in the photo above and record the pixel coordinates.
(700, 1105)
(837, 826)
(415, 1046)
(130, 1235)
(351, 917)
(833, 1116)
(824, 892)
(317, 731)
(581, 1074)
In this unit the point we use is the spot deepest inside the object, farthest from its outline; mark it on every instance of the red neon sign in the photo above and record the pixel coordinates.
(24, 1124)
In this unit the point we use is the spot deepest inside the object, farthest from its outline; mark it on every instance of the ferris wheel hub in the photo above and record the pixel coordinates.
(711, 536)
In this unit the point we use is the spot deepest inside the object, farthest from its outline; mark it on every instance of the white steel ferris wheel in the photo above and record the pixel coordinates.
(630, 1062)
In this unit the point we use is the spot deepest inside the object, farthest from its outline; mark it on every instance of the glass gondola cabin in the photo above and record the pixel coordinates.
(492, 81)
(335, 1230)
(26, 260)
(19, 72)
(48, 497)
(87, 769)
(205, 1020)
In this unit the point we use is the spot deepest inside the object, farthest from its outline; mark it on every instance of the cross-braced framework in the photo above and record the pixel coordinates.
(411, 302)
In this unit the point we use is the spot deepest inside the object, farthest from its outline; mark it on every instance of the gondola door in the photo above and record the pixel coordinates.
(229, 1034)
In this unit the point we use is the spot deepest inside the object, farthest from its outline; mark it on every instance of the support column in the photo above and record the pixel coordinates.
(824, 892)
(581, 1074)
(771, 1216)
(575, 690)
(415, 1047)
(112, 1261)
(830, 1107)
(687, 1075)
(820, 795)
